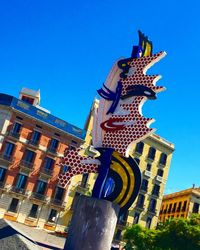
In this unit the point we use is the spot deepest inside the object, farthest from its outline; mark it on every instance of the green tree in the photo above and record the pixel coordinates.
(175, 234)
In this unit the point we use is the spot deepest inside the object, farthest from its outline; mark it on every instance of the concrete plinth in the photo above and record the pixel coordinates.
(93, 224)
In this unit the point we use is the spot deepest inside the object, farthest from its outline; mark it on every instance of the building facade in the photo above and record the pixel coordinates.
(180, 204)
(31, 144)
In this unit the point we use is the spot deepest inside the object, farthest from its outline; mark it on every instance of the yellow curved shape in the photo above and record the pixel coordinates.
(121, 172)
(132, 180)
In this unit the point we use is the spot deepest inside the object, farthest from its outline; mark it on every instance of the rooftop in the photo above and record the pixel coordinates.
(41, 115)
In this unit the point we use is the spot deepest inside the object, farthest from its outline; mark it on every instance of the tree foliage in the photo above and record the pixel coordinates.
(174, 234)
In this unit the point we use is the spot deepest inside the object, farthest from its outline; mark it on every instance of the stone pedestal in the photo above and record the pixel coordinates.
(93, 224)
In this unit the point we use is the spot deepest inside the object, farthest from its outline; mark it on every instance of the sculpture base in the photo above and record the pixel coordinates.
(93, 224)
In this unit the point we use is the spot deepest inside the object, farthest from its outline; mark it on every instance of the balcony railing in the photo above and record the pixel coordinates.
(8, 158)
(121, 222)
(147, 173)
(46, 171)
(52, 150)
(34, 142)
(156, 194)
(57, 202)
(140, 206)
(159, 178)
(143, 188)
(14, 134)
(38, 196)
(152, 210)
(18, 190)
(27, 164)
(82, 187)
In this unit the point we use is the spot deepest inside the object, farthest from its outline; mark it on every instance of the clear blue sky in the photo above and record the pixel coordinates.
(66, 49)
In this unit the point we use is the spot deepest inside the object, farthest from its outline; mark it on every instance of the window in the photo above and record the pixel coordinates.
(170, 208)
(195, 208)
(19, 118)
(156, 190)
(151, 154)
(174, 207)
(52, 215)
(21, 181)
(48, 163)
(35, 138)
(16, 128)
(137, 160)
(144, 185)
(2, 174)
(59, 192)
(29, 156)
(179, 206)
(148, 167)
(136, 218)
(184, 206)
(139, 147)
(8, 150)
(34, 211)
(13, 205)
(148, 222)
(160, 172)
(41, 187)
(140, 201)
(28, 99)
(53, 145)
(163, 159)
(152, 205)
(166, 209)
(84, 180)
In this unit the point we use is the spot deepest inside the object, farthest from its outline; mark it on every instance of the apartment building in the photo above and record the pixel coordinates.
(180, 204)
(31, 142)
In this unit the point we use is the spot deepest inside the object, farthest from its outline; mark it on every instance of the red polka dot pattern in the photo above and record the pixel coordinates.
(120, 139)
(72, 159)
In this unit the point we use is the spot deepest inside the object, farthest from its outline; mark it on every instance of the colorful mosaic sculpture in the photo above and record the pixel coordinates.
(118, 124)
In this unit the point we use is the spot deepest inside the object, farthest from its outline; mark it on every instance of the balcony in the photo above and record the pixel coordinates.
(159, 178)
(26, 165)
(47, 172)
(7, 158)
(140, 206)
(147, 173)
(57, 202)
(82, 187)
(152, 210)
(52, 150)
(14, 135)
(150, 158)
(121, 224)
(143, 189)
(156, 194)
(33, 143)
(18, 190)
(161, 164)
(38, 196)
